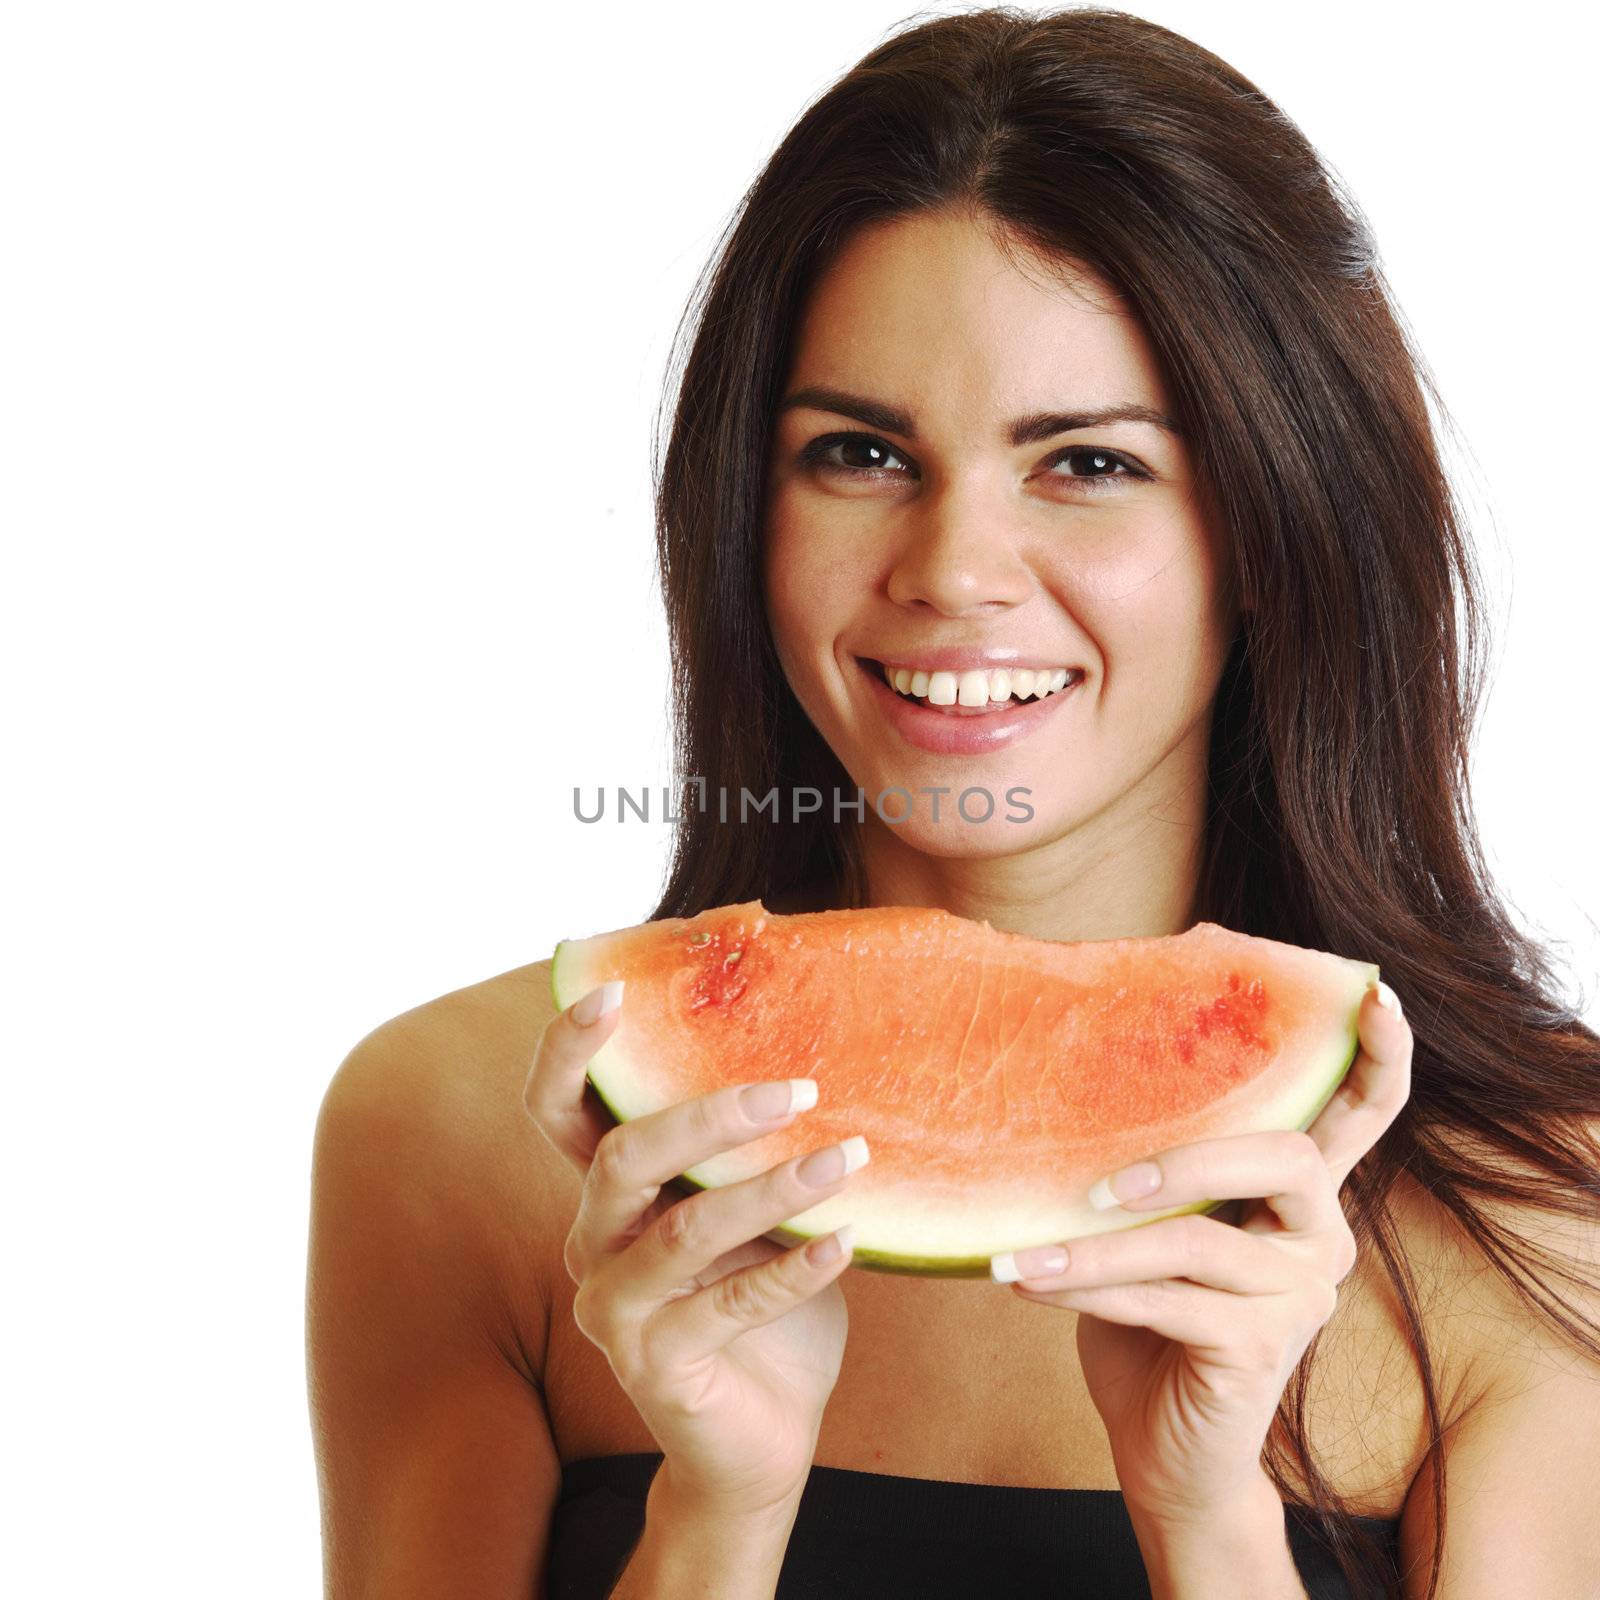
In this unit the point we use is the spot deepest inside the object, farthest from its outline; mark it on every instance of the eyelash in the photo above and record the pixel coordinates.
(814, 452)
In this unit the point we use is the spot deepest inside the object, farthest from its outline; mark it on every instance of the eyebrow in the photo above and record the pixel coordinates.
(1031, 429)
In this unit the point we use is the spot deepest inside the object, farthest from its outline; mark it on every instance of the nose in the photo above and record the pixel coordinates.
(958, 558)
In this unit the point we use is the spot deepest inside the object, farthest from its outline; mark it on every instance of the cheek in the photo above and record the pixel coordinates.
(784, 584)
(1127, 565)
(811, 587)
(1149, 605)
(1162, 574)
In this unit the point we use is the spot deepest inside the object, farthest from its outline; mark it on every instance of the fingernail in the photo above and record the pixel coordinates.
(767, 1102)
(837, 1161)
(1044, 1261)
(1131, 1183)
(826, 1250)
(597, 1003)
(1387, 998)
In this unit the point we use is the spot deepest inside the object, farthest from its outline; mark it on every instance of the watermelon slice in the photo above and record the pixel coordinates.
(994, 1077)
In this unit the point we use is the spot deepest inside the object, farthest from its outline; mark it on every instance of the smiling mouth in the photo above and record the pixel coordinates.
(974, 693)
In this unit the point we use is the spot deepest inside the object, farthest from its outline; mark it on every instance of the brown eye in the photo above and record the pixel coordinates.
(869, 454)
(1099, 466)
(866, 456)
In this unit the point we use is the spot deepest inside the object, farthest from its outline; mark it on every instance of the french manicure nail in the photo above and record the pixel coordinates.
(767, 1102)
(597, 1003)
(837, 1161)
(826, 1250)
(1043, 1261)
(1131, 1183)
(1387, 998)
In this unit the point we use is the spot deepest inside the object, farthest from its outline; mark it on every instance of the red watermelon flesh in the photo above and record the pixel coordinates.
(994, 1077)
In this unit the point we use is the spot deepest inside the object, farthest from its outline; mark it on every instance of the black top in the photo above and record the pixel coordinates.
(869, 1536)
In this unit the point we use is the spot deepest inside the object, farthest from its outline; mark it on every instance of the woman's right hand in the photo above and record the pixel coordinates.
(728, 1345)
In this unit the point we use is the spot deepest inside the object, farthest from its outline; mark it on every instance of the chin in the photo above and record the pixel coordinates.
(954, 840)
(983, 813)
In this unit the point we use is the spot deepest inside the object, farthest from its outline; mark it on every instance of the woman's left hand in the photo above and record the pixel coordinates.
(1190, 1327)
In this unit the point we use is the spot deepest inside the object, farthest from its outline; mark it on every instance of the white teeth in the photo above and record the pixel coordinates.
(977, 688)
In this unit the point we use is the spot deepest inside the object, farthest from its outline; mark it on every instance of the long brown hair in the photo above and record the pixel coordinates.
(1340, 815)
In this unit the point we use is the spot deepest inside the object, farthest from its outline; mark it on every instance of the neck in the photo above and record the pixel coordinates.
(1130, 870)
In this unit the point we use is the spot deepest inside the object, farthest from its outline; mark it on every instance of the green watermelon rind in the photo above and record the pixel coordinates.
(970, 1266)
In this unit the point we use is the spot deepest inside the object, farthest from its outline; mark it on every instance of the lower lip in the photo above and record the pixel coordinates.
(947, 735)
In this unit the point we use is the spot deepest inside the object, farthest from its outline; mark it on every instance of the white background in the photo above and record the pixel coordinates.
(332, 334)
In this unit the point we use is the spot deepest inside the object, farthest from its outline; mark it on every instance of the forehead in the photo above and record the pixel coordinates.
(931, 313)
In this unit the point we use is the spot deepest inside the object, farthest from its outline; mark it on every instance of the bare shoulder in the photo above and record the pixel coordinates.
(1518, 1471)
(430, 1102)
(1552, 1250)
(426, 1302)
(1484, 1330)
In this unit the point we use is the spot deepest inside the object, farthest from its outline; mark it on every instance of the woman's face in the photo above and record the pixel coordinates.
(959, 524)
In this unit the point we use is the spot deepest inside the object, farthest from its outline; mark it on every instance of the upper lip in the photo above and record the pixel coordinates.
(965, 658)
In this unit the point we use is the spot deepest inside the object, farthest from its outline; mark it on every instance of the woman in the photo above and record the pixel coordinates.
(1043, 346)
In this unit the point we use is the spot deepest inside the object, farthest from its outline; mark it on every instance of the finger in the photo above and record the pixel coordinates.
(696, 1233)
(1286, 1170)
(634, 1159)
(702, 1323)
(1374, 1090)
(1204, 1319)
(553, 1094)
(1199, 1318)
(1198, 1248)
